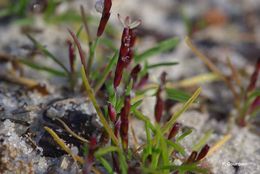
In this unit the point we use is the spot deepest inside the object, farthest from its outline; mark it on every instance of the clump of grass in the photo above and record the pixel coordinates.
(124, 91)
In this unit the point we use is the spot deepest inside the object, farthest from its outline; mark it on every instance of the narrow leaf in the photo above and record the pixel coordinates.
(161, 47)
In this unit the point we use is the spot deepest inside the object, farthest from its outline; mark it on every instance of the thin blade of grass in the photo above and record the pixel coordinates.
(219, 144)
(196, 80)
(163, 46)
(92, 49)
(47, 53)
(202, 141)
(162, 64)
(85, 23)
(106, 165)
(177, 95)
(96, 106)
(43, 68)
(177, 147)
(177, 114)
(185, 134)
(164, 149)
(109, 67)
(63, 145)
(105, 150)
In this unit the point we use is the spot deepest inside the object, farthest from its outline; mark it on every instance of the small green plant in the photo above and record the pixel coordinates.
(124, 91)
(246, 99)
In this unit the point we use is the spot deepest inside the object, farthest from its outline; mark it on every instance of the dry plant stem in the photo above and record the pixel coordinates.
(12, 77)
(62, 144)
(213, 68)
(218, 144)
(81, 53)
(195, 80)
(234, 71)
(71, 132)
(98, 110)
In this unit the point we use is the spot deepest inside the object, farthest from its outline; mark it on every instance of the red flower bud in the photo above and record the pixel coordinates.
(135, 72)
(118, 73)
(117, 127)
(111, 112)
(105, 17)
(72, 55)
(203, 153)
(176, 127)
(142, 81)
(254, 77)
(159, 106)
(126, 51)
(163, 78)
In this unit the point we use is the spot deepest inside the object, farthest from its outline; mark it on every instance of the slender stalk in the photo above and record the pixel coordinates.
(95, 104)
(92, 48)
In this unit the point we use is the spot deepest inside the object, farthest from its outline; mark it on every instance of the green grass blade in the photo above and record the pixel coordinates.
(176, 146)
(164, 149)
(202, 141)
(163, 46)
(92, 49)
(43, 68)
(105, 150)
(47, 53)
(177, 114)
(162, 64)
(185, 134)
(106, 165)
(177, 95)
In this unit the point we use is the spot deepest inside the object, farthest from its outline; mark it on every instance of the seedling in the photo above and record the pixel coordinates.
(123, 92)
(246, 99)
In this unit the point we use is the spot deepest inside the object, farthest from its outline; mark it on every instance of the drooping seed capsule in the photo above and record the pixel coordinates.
(163, 78)
(159, 106)
(135, 71)
(175, 129)
(192, 157)
(142, 81)
(105, 6)
(254, 77)
(111, 112)
(203, 152)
